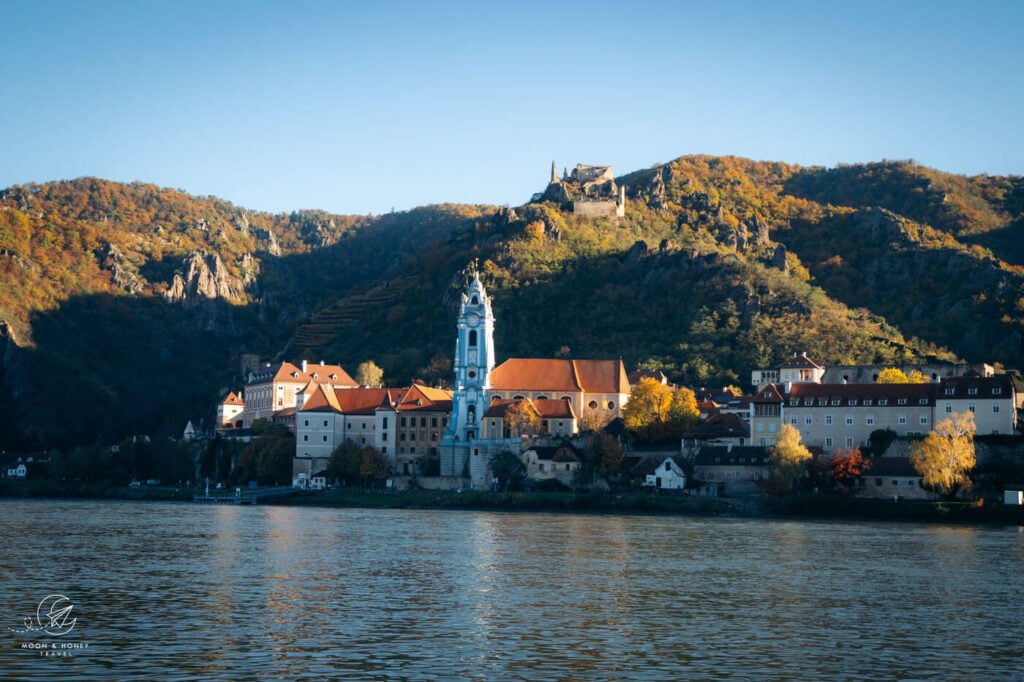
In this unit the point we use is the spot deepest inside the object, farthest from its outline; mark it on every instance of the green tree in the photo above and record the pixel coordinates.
(509, 470)
(369, 374)
(602, 455)
(945, 457)
(344, 463)
(373, 468)
(268, 457)
(790, 457)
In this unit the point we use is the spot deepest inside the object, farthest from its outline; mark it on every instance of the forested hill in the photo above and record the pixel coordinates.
(126, 308)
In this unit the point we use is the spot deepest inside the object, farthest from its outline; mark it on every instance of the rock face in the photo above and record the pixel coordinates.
(122, 271)
(205, 278)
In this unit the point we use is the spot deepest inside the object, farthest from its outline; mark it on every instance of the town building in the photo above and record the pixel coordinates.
(834, 416)
(229, 411)
(271, 390)
(567, 394)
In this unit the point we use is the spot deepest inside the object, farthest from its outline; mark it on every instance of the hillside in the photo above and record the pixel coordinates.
(127, 308)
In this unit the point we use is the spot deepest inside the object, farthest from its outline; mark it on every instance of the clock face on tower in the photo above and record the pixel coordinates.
(473, 319)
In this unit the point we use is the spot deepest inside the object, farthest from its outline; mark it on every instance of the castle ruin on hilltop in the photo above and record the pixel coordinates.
(588, 191)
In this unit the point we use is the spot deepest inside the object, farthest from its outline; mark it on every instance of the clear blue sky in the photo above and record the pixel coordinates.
(361, 107)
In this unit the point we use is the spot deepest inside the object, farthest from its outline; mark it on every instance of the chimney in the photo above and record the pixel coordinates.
(304, 365)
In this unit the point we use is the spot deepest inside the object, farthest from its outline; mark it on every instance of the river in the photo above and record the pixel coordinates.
(182, 592)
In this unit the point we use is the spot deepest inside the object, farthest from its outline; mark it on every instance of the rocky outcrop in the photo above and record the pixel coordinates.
(203, 277)
(122, 271)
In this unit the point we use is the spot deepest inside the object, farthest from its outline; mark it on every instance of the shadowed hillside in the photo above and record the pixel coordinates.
(128, 307)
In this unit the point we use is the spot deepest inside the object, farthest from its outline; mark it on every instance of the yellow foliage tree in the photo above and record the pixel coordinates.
(682, 410)
(522, 418)
(790, 456)
(648, 404)
(946, 455)
(892, 375)
(916, 376)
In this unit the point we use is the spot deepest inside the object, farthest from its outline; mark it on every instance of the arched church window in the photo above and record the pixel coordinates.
(474, 300)
(472, 337)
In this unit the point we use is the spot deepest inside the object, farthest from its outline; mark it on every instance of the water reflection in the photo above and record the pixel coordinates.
(179, 592)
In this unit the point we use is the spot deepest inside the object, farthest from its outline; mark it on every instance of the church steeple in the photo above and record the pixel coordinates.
(474, 360)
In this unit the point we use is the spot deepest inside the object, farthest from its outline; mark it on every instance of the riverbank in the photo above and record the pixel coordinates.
(642, 502)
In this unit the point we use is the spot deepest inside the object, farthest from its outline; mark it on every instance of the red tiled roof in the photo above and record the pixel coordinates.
(537, 374)
(233, 399)
(913, 392)
(290, 373)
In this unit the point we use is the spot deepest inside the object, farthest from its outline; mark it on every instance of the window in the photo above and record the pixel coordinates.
(924, 419)
(763, 442)
(883, 402)
(997, 391)
(828, 419)
(794, 402)
(423, 421)
(472, 337)
(901, 401)
(402, 421)
(771, 427)
(306, 423)
(325, 423)
(760, 426)
(592, 404)
(828, 442)
(878, 481)
(325, 439)
(903, 419)
(385, 424)
(849, 420)
(792, 420)
(433, 422)
(611, 404)
(305, 438)
(950, 390)
(808, 421)
(835, 402)
(973, 390)
(970, 406)
(808, 402)
(922, 401)
(867, 402)
(853, 402)
(849, 442)
(949, 408)
(869, 420)
(995, 408)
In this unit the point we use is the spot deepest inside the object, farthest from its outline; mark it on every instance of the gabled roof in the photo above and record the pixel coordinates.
(233, 399)
(721, 425)
(419, 397)
(637, 374)
(771, 394)
(800, 361)
(286, 372)
(321, 399)
(546, 409)
(649, 464)
(539, 374)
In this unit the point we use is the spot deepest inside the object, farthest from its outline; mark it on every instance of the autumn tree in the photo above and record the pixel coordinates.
(682, 410)
(656, 413)
(522, 419)
(648, 404)
(892, 375)
(790, 457)
(369, 374)
(268, 457)
(946, 455)
(847, 466)
(373, 468)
